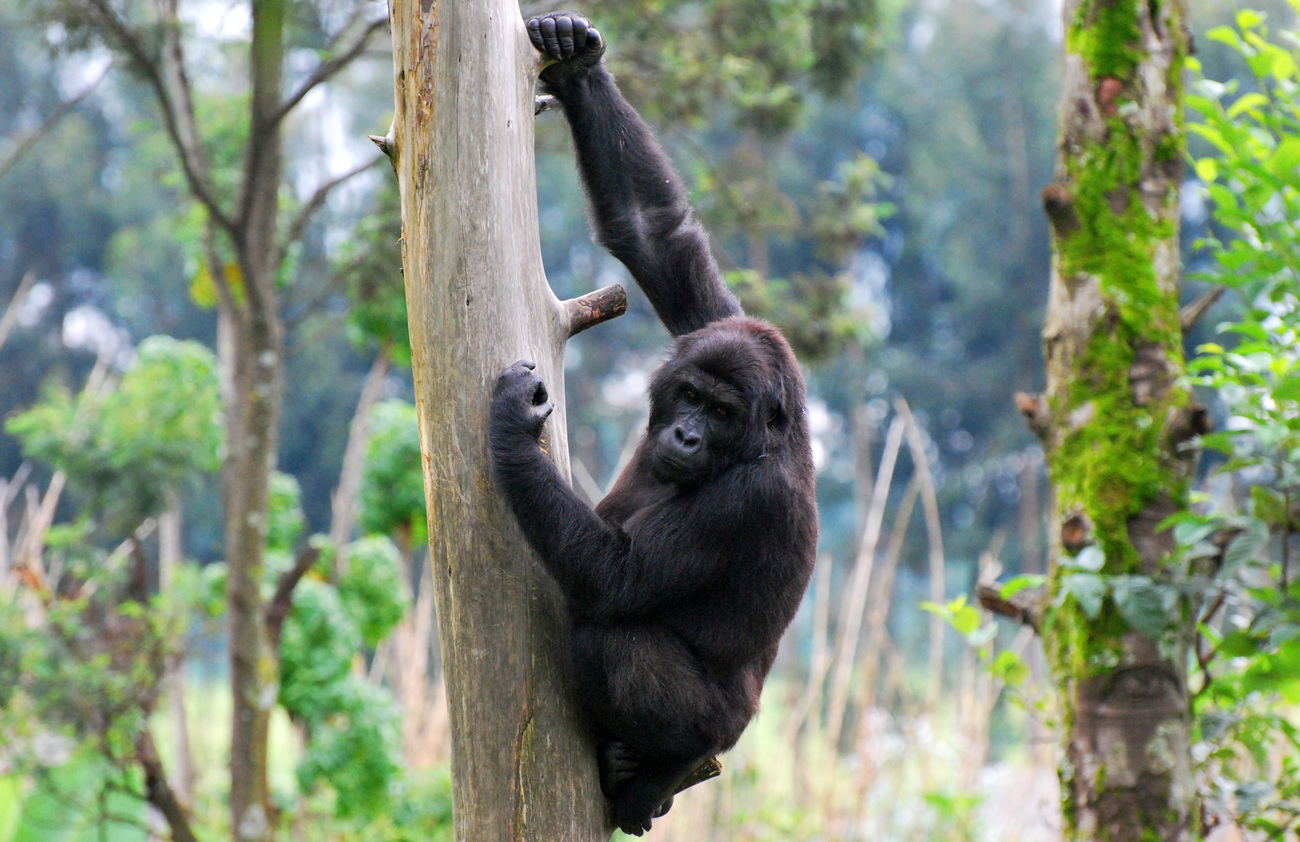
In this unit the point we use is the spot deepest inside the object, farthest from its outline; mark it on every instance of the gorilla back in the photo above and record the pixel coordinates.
(681, 581)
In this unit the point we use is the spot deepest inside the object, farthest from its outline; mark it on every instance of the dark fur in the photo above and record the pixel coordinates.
(681, 582)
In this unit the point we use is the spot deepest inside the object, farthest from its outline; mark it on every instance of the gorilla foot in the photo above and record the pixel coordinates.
(618, 764)
(647, 792)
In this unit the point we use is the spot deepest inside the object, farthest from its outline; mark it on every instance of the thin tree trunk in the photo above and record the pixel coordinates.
(252, 441)
(462, 146)
(1111, 422)
(344, 503)
(170, 553)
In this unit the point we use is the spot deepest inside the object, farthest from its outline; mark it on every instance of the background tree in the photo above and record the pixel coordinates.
(245, 248)
(1114, 421)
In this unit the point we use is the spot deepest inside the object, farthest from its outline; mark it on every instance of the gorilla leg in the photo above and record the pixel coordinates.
(661, 712)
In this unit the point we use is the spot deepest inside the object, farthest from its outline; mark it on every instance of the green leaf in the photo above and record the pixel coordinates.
(1022, 582)
(1088, 591)
(1090, 558)
(1245, 546)
(1142, 605)
(1238, 644)
(1011, 668)
(1287, 389)
(1245, 102)
(1225, 35)
(1248, 18)
(1286, 158)
(965, 620)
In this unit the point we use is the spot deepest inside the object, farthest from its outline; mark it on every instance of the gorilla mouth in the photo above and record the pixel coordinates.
(673, 469)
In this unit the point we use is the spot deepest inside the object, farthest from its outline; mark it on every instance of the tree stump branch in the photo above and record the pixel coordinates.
(710, 768)
(280, 605)
(595, 307)
(1192, 313)
(1024, 607)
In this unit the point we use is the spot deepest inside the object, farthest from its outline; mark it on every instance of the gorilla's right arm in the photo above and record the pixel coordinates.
(640, 211)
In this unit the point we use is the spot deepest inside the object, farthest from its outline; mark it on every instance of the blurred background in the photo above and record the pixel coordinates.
(870, 172)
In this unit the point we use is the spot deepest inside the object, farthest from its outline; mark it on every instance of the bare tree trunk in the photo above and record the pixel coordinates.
(462, 145)
(253, 441)
(344, 503)
(1112, 419)
(170, 554)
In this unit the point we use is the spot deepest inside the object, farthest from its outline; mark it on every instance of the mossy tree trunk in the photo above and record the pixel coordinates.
(1117, 628)
(462, 145)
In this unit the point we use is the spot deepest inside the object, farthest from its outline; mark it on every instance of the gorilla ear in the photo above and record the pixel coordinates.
(776, 416)
(778, 405)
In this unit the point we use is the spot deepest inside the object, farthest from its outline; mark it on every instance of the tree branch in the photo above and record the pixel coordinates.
(344, 503)
(294, 232)
(991, 599)
(15, 304)
(1190, 314)
(130, 41)
(278, 608)
(387, 144)
(159, 792)
(23, 145)
(710, 768)
(595, 307)
(329, 68)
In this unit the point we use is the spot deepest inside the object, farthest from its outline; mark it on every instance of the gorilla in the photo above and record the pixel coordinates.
(680, 583)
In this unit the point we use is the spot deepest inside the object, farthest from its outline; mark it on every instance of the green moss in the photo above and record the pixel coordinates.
(1107, 35)
(1112, 460)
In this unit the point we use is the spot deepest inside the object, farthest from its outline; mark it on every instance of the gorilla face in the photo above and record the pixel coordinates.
(698, 432)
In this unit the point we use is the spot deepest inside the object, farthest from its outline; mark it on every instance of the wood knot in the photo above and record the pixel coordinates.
(1034, 409)
(1108, 91)
(1076, 532)
(1059, 206)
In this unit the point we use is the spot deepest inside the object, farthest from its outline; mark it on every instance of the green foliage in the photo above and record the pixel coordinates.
(128, 449)
(1251, 662)
(965, 619)
(80, 799)
(373, 587)
(762, 61)
(284, 518)
(419, 811)
(352, 724)
(316, 651)
(392, 484)
(355, 749)
(370, 265)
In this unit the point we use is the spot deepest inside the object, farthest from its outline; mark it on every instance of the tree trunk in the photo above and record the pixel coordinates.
(1112, 420)
(171, 554)
(252, 438)
(462, 146)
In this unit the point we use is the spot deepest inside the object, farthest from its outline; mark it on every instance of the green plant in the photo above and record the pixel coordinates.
(1249, 657)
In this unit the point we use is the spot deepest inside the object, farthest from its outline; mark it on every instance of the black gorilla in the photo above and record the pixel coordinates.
(681, 582)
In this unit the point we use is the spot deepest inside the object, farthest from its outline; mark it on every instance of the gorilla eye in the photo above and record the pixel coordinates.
(691, 394)
(722, 412)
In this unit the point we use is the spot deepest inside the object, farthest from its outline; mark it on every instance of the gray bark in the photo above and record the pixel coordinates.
(462, 146)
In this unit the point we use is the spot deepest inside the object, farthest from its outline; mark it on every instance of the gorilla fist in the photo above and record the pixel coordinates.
(520, 402)
(569, 44)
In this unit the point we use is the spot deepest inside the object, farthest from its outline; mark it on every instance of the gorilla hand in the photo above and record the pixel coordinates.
(569, 44)
(520, 402)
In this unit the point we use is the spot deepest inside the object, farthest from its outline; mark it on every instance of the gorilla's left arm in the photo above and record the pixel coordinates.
(639, 208)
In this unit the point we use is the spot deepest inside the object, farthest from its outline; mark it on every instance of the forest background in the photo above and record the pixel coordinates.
(871, 174)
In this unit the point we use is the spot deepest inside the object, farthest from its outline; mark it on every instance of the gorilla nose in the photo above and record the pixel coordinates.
(688, 441)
